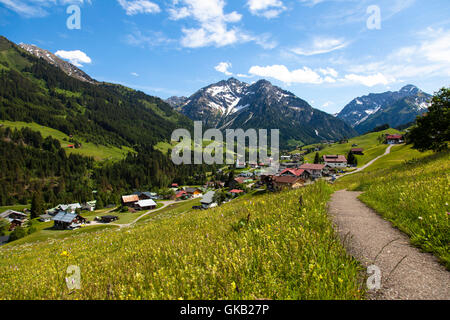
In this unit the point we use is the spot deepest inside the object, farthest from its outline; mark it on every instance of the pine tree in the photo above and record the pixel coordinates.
(317, 158)
(37, 205)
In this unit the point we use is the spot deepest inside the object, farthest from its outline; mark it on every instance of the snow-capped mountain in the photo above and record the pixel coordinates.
(394, 108)
(233, 104)
(65, 66)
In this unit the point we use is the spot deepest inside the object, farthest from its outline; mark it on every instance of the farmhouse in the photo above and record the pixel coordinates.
(182, 195)
(287, 182)
(335, 161)
(395, 139)
(15, 218)
(359, 151)
(66, 220)
(130, 200)
(301, 173)
(207, 200)
(215, 184)
(193, 192)
(68, 207)
(89, 206)
(147, 204)
(315, 170)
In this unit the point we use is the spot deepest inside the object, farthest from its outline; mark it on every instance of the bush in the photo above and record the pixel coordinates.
(17, 234)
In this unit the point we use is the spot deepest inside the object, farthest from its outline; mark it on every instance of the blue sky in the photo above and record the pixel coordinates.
(325, 51)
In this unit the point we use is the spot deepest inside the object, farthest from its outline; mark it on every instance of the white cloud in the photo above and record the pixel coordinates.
(76, 57)
(213, 24)
(37, 8)
(135, 74)
(429, 57)
(223, 67)
(321, 46)
(370, 80)
(307, 75)
(266, 8)
(134, 7)
(282, 73)
(149, 38)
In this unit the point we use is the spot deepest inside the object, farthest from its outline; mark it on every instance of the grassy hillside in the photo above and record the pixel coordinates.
(98, 152)
(369, 142)
(248, 249)
(32, 90)
(412, 190)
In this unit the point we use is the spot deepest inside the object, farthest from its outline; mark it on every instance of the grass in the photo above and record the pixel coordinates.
(412, 190)
(98, 152)
(19, 207)
(262, 248)
(369, 142)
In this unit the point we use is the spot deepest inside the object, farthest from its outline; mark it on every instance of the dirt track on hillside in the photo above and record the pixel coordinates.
(407, 273)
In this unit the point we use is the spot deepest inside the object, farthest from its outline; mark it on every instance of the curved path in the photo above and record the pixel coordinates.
(165, 204)
(406, 272)
(388, 150)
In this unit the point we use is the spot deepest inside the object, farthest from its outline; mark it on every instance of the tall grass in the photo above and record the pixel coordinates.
(414, 196)
(261, 248)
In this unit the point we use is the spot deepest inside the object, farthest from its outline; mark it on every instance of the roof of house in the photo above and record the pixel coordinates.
(65, 217)
(7, 213)
(192, 190)
(71, 206)
(240, 180)
(236, 191)
(312, 166)
(208, 197)
(286, 179)
(130, 198)
(295, 172)
(334, 158)
(4, 239)
(146, 203)
(181, 193)
(394, 137)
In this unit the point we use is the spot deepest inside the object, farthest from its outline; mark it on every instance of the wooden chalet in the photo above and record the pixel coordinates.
(395, 139)
(66, 220)
(315, 170)
(130, 200)
(193, 192)
(300, 173)
(147, 204)
(282, 182)
(359, 151)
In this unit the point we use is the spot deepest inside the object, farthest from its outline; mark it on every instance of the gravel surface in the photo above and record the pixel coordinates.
(406, 272)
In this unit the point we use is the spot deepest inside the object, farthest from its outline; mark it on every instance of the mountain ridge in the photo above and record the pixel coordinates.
(392, 107)
(232, 104)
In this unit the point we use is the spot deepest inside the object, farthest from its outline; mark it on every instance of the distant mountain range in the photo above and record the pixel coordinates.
(393, 108)
(233, 104)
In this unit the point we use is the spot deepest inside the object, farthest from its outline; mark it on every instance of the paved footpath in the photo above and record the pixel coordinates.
(407, 273)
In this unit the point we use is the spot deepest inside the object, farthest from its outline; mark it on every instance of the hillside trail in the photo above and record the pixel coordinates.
(126, 225)
(406, 272)
(388, 150)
